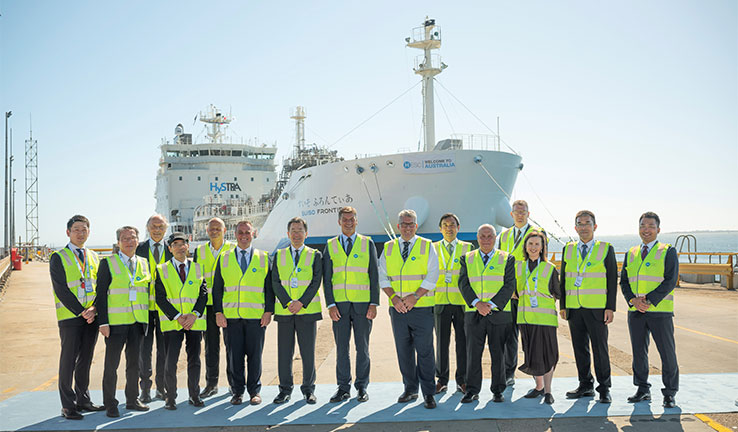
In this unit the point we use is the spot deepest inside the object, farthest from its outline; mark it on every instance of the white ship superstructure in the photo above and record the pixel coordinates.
(194, 176)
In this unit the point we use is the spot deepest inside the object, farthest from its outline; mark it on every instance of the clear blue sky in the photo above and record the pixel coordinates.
(619, 107)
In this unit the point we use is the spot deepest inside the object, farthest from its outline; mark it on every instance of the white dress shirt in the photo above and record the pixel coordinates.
(431, 276)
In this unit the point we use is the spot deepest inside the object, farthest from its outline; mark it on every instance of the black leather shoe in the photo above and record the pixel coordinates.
(310, 398)
(159, 396)
(209, 390)
(339, 396)
(580, 392)
(469, 397)
(71, 414)
(136, 406)
(510, 382)
(605, 397)
(145, 397)
(498, 397)
(429, 402)
(640, 396)
(91, 407)
(669, 402)
(197, 402)
(407, 397)
(548, 398)
(441, 388)
(237, 399)
(282, 398)
(170, 404)
(363, 396)
(533, 393)
(112, 412)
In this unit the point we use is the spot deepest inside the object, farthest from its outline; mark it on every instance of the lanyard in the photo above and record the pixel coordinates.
(131, 277)
(443, 258)
(581, 267)
(84, 269)
(535, 279)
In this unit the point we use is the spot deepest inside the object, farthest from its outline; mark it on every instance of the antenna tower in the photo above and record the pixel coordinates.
(31, 190)
(298, 115)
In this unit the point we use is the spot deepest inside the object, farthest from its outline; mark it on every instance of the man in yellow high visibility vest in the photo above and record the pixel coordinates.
(449, 304)
(589, 284)
(408, 272)
(73, 277)
(351, 289)
(297, 272)
(487, 282)
(649, 276)
(123, 312)
(208, 255)
(155, 250)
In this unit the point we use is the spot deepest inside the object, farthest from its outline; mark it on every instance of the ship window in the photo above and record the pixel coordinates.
(215, 153)
(267, 179)
(235, 178)
(169, 165)
(198, 178)
(180, 178)
(236, 152)
(252, 179)
(204, 152)
(216, 179)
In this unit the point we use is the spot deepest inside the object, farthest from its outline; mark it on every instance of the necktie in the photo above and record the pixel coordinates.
(81, 254)
(584, 251)
(297, 257)
(485, 257)
(450, 249)
(182, 274)
(644, 252)
(349, 245)
(405, 251)
(517, 235)
(132, 265)
(244, 264)
(156, 252)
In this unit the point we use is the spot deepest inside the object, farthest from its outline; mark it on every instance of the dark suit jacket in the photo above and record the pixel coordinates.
(142, 250)
(671, 274)
(218, 285)
(500, 299)
(167, 308)
(283, 296)
(611, 273)
(373, 279)
(65, 296)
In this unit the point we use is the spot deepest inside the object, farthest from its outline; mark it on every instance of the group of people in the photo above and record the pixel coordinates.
(502, 291)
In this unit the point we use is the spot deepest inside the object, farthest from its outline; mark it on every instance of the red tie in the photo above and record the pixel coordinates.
(182, 274)
(644, 252)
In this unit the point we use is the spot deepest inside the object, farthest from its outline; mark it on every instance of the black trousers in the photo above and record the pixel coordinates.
(306, 330)
(585, 326)
(153, 332)
(212, 351)
(413, 332)
(173, 343)
(77, 346)
(450, 315)
(479, 330)
(511, 342)
(244, 338)
(661, 326)
(362, 328)
(128, 336)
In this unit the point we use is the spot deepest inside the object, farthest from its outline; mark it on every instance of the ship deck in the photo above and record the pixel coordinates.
(707, 349)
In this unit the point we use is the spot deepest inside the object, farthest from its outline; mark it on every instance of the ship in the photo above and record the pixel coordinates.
(468, 175)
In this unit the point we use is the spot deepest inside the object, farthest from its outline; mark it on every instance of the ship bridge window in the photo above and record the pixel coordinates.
(204, 152)
(215, 152)
(236, 152)
(172, 154)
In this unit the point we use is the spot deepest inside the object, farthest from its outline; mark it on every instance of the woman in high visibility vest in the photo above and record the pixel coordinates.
(538, 290)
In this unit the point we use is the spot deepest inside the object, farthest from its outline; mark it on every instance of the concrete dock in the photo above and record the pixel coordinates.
(707, 348)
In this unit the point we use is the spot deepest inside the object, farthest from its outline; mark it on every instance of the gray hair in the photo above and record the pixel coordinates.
(217, 219)
(157, 215)
(120, 230)
(408, 213)
(494, 231)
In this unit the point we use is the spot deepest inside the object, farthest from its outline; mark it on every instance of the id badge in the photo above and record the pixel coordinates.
(534, 302)
(293, 282)
(448, 278)
(88, 285)
(132, 295)
(578, 282)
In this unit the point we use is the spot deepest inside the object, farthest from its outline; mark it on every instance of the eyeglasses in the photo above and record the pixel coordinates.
(407, 224)
(584, 224)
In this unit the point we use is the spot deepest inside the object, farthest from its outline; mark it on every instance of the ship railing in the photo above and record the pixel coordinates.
(478, 141)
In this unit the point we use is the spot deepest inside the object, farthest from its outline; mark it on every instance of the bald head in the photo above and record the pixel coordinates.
(486, 236)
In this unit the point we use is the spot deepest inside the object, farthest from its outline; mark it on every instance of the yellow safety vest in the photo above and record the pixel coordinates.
(645, 275)
(407, 276)
(486, 280)
(182, 296)
(82, 286)
(447, 287)
(243, 292)
(152, 270)
(302, 275)
(350, 272)
(208, 262)
(592, 294)
(535, 286)
(507, 241)
(121, 309)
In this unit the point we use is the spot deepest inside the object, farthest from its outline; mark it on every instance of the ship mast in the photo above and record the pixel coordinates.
(298, 115)
(215, 119)
(427, 38)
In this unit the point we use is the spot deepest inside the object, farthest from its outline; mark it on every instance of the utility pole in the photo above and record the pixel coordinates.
(11, 211)
(7, 233)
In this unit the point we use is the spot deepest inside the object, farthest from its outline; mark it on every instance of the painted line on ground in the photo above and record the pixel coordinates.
(46, 384)
(8, 390)
(713, 424)
(699, 332)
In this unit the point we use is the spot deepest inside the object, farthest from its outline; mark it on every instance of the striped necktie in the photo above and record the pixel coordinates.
(405, 251)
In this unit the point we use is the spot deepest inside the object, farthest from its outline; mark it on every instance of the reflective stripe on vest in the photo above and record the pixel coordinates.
(407, 276)
(152, 270)
(350, 273)
(182, 296)
(74, 281)
(303, 274)
(507, 241)
(646, 275)
(121, 310)
(243, 292)
(592, 294)
(486, 280)
(208, 262)
(545, 312)
(449, 293)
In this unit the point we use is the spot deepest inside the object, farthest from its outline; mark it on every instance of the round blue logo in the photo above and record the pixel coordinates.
(356, 255)
(253, 270)
(412, 259)
(138, 277)
(190, 282)
(648, 264)
(299, 270)
(491, 267)
(406, 164)
(535, 278)
(456, 260)
(589, 264)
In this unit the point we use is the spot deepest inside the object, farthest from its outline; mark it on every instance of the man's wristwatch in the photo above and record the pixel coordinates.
(417, 297)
